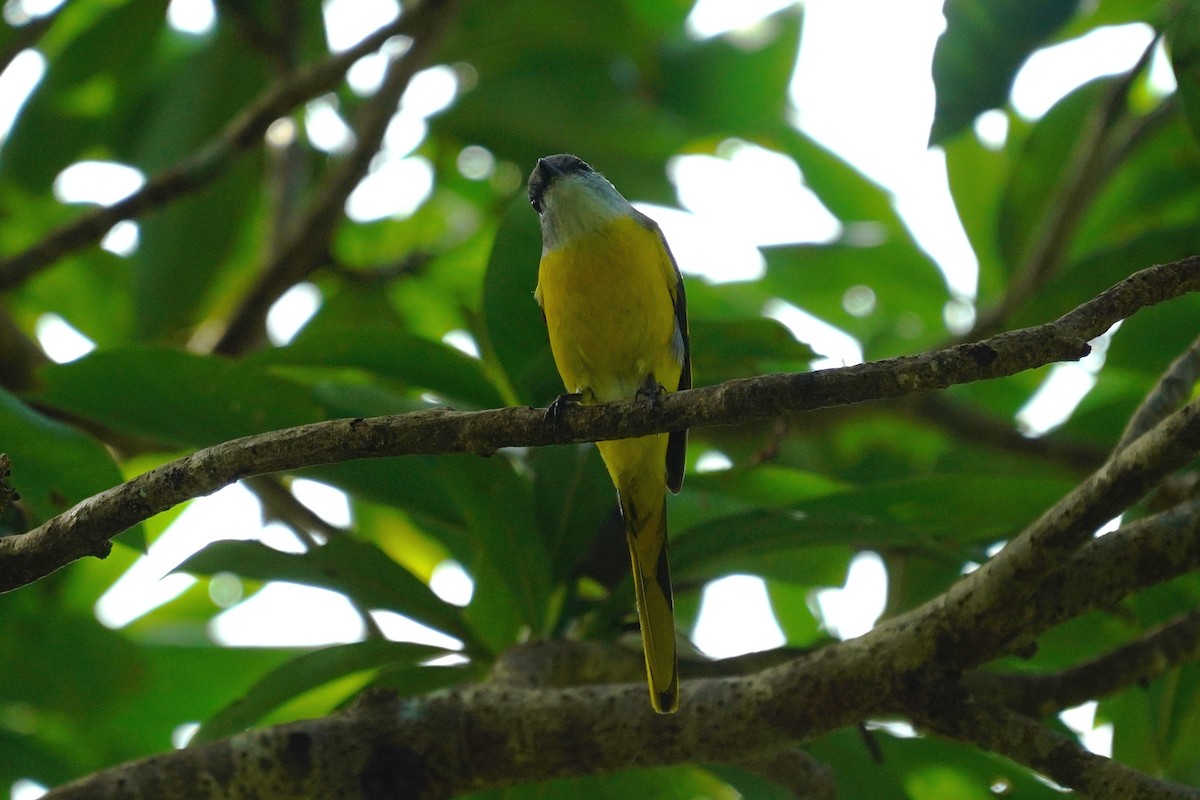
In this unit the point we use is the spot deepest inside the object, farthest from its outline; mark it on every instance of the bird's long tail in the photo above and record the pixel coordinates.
(646, 533)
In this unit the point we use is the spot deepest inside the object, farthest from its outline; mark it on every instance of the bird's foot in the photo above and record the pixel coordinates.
(556, 412)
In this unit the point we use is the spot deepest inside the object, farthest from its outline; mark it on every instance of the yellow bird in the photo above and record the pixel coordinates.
(613, 300)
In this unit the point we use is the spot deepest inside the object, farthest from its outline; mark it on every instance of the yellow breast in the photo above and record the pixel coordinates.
(608, 297)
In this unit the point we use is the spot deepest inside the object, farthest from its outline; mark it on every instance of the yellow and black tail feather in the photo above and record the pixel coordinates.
(647, 538)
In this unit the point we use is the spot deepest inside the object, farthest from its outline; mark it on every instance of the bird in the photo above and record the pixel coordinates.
(613, 300)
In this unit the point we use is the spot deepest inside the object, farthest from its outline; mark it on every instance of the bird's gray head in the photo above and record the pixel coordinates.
(571, 199)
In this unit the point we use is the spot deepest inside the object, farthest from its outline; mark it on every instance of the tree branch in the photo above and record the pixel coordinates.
(1145, 658)
(196, 170)
(1171, 391)
(996, 728)
(307, 246)
(86, 528)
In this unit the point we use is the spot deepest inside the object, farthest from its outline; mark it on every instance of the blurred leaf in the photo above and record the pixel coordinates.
(847, 193)
(515, 328)
(573, 497)
(1157, 187)
(1183, 44)
(53, 467)
(901, 514)
(977, 57)
(303, 673)
(903, 292)
(497, 506)
(393, 355)
(179, 399)
(1042, 159)
(727, 349)
(791, 606)
(356, 569)
(722, 89)
(977, 176)
(90, 93)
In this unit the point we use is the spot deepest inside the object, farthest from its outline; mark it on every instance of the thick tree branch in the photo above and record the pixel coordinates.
(196, 170)
(87, 528)
(1012, 596)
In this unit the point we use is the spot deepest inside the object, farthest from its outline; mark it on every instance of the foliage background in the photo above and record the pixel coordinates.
(1067, 206)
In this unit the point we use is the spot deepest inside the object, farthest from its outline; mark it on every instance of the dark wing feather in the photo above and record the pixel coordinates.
(677, 441)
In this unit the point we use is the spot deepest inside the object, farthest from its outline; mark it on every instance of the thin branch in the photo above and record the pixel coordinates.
(1026, 741)
(196, 170)
(992, 610)
(20, 356)
(986, 429)
(87, 528)
(281, 505)
(1089, 165)
(1039, 695)
(307, 248)
(27, 36)
(1171, 391)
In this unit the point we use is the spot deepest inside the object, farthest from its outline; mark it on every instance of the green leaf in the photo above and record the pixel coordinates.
(727, 349)
(1183, 45)
(1041, 161)
(393, 355)
(723, 89)
(573, 497)
(359, 570)
(977, 176)
(53, 467)
(907, 291)
(176, 398)
(511, 557)
(90, 93)
(303, 673)
(977, 57)
(515, 329)
(808, 544)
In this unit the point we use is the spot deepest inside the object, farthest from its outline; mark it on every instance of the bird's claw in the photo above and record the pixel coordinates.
(556, 412)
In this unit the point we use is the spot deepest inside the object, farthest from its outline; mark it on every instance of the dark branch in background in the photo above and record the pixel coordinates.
(988, 430)
(1091, 162)
(1040, 695)
(280, 505)
(22, 356)
(86, 529)
(307, 246)
(1000, 730)
(27, 36)
(200, 167)
(1172, 390)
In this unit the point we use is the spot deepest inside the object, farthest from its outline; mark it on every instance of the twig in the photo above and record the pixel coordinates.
(1171, 391)
(86, 528)
(20, 356)
(280, 504)
(985, 429)
(200, 167)
(1026, 741)
(1090, 163)
(1039, 695)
